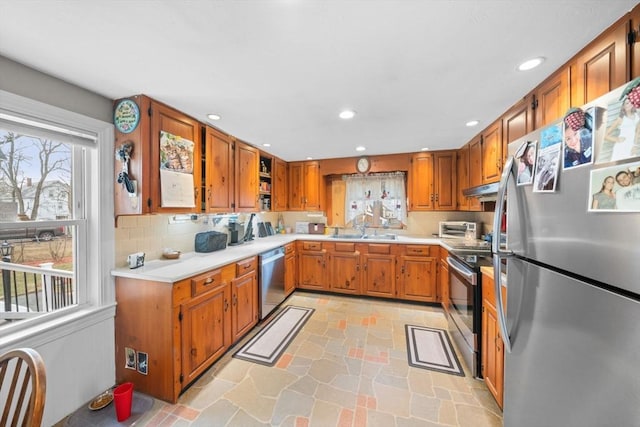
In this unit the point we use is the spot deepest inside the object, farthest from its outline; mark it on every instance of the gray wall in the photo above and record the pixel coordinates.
(24, 81)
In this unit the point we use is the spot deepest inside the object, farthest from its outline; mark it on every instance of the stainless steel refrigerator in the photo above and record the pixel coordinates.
(571, 324)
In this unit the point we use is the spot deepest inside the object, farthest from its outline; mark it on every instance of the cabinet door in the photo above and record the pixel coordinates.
(244, 304)
(312, 186)
(492, 367)
(311, 269)
(289, 273)
(602, 65)
(296, 189)
(462, 174)
(421, 196)
(219, 171)
(418, 278)
(379, 275)
(552, 98)
(475, 162)
(492, 153)
(491, 351)
(247, 159)
(634, 17)
(444, 180)
(444, 280)
(205, 330)
(516, 123)
(280, 186)
(344, 272)
(172, 121)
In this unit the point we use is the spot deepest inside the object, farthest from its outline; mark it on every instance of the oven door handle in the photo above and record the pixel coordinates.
(457, 266)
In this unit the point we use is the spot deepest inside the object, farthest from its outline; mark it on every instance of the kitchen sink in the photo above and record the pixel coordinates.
(381, 237)
(346, 236)
(366, 236)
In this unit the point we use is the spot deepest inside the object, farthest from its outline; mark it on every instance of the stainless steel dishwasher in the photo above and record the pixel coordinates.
(271, 280)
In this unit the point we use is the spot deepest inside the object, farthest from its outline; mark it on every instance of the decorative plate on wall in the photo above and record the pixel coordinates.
(126, 116)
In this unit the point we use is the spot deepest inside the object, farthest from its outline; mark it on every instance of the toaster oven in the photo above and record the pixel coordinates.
(459, 230)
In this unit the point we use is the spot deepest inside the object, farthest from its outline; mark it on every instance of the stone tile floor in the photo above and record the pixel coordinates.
(347, 367)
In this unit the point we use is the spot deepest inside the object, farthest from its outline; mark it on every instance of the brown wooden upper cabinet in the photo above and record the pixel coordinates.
(219, 171)
(492, 153)
(305, 186)
(280, 194)
(551, 98)
(475, 161)
(516, 123)
(602, 65)
(144, 165)
(463, 181)
(247, 160)
(634, 51)
(462, 172)
(432, 181)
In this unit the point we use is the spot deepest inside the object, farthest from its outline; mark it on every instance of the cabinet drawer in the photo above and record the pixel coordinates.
(345, 247)
(204, 282)
(246, 266)
(312, 246)
(379, 248)
(419, 250)
(289, 248)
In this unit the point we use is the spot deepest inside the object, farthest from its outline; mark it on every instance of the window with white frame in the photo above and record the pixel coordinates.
(48, 216)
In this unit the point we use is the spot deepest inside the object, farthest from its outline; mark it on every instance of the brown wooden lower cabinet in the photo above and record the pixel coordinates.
(312, 263)
(417, 273)
(492, 367)
(344, 267)
(244, 296)
(408, 272)
(181, 328)
(379, 277)
(290, 268)
(443, 280)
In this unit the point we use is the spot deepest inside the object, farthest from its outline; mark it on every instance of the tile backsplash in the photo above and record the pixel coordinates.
(151, 234)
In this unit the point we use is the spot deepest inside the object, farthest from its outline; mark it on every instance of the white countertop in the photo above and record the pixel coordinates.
(193, 263)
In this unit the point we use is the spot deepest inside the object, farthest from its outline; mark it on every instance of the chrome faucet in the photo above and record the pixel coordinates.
(362, 227)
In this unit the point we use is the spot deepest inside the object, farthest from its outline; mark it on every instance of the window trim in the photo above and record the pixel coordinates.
(99, 245)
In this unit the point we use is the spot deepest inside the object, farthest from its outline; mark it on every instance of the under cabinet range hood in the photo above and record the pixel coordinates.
(486, 193)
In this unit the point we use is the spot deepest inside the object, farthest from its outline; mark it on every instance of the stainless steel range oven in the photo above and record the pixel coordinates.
(465, 294)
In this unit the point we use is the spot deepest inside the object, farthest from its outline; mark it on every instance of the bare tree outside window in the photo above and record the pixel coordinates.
(29, 167)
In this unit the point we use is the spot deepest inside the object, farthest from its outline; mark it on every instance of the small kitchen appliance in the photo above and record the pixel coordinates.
(459, 229)
(236, 233)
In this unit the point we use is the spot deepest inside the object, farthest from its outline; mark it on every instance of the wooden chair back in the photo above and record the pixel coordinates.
(22, 388)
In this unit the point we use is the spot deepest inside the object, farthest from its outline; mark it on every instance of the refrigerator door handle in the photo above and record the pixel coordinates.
(498, 254)
(507, 173)
(497, 282)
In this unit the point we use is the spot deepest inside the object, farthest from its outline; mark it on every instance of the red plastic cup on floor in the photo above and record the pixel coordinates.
(122, 398)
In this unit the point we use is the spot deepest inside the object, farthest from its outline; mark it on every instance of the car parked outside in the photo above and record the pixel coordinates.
(39, 233)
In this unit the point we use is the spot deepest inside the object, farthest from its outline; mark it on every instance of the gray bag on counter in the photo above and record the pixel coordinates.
(210, 241)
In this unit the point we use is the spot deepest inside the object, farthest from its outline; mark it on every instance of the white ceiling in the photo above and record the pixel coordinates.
(279, 72)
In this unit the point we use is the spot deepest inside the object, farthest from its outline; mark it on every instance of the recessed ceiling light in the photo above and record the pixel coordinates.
(309, 158)
(347, 114)
(213, 116)
(266, 144)
(530, 64)
(424, 149)
(472, 123)
(360, 148)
